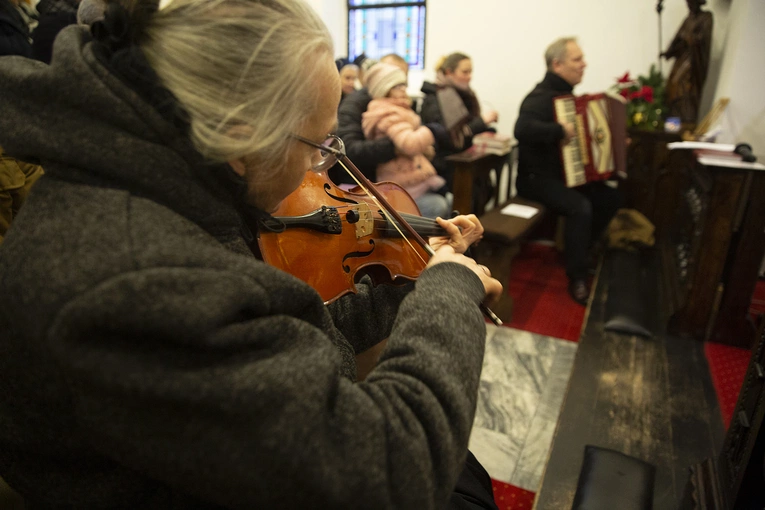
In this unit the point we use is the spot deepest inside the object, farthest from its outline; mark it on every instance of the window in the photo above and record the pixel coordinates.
(379, 27)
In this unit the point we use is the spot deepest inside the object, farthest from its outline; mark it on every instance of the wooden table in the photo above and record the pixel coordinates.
(473, 169)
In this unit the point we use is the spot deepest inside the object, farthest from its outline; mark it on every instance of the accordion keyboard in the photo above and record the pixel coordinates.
(571, 152)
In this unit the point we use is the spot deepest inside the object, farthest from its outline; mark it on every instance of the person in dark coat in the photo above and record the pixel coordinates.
(54, 15)
(365, 154)
(368, 154)
(149, 359)
(588, 208)
(349, 75)
(14, 32)
(455, 71)
(459, 112)
(390, 115)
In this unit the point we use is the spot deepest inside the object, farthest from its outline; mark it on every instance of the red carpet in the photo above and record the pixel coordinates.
(539, 287)
(510, 497)
(727, 365)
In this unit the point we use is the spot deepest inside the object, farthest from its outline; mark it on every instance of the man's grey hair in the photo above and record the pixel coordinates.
(557, 51)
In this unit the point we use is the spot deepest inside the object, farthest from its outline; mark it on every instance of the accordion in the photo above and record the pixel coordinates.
(599, 148)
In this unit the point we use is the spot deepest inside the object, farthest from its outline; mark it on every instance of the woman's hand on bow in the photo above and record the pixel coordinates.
(463, 230)
(491, 286)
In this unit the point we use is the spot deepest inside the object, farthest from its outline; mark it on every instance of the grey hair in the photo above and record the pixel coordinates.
(245, 71)
(557, 51)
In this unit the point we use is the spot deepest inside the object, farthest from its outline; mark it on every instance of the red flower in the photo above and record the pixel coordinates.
(645, 93)
(625, 93)
(624, 79)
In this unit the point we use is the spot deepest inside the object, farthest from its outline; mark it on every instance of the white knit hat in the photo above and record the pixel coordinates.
(382, 77)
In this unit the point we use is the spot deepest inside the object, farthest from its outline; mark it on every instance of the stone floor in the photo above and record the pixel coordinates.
(523, 383)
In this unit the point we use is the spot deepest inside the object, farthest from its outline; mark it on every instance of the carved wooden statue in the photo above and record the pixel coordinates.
(690, 48)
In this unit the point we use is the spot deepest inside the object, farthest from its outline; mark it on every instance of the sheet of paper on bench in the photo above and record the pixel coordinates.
(519, 210)
(723, 147)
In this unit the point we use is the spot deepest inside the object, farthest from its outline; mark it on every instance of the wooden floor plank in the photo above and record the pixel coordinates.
(650, 398)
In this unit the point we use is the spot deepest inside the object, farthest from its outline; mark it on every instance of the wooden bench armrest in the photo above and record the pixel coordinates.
(508, 229)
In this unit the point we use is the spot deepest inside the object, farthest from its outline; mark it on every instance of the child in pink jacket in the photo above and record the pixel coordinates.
(390, 114)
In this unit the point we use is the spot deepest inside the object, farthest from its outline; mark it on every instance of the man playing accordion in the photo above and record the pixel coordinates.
(588, 208)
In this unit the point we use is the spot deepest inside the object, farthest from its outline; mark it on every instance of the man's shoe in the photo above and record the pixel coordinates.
(579, 291)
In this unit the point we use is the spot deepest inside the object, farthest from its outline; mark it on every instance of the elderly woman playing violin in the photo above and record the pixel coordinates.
(149, 360)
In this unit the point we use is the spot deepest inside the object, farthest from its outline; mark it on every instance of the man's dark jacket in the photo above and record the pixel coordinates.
(538, 133)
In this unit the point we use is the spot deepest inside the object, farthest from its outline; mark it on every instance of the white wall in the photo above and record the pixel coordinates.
(507, 38)
(335, 16)
(742, 75)
(721, 9)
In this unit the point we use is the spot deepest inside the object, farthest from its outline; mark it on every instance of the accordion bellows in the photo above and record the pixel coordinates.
(599, 148)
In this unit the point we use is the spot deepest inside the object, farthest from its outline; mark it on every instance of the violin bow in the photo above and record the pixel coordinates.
(370, 188)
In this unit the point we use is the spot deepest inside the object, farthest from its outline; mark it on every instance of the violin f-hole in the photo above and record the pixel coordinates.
(327, 188)
(357, 254)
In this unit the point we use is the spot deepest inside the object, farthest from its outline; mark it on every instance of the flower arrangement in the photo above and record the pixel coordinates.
(645, 99)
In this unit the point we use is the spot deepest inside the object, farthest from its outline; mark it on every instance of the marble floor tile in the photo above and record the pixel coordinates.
(497, 452)
(536, 447)
(522, 387)
(530, 481)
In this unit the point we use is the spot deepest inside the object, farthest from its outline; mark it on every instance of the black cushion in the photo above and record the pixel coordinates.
(611, 480)
(628, 304)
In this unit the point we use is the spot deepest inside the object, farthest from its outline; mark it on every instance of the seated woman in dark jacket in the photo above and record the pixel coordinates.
(460, 113)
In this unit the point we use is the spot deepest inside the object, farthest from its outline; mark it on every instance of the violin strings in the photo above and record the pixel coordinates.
(423, 226)
(382, 209)
(425, 230)
(426, 226)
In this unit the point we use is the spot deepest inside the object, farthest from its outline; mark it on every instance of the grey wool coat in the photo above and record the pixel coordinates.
(148, 360)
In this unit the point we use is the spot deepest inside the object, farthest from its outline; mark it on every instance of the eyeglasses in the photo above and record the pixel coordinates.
(330, 150)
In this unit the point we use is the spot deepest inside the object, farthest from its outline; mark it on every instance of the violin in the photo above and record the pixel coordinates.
(329, 237)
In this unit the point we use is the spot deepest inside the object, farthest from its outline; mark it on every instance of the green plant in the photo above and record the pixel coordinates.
(645, 99)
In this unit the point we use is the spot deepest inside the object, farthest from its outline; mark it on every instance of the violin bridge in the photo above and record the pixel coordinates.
(365, 225)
